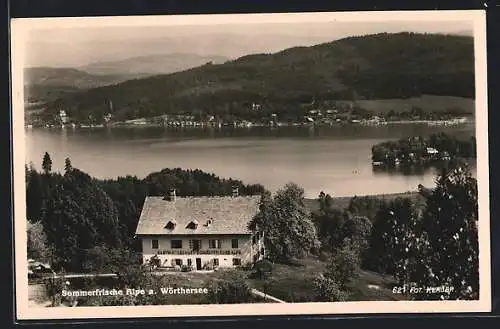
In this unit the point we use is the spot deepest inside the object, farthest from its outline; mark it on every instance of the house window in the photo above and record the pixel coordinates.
(178, 262)
(236, 262)
(216, 261)
(190, 262)
(234, 243)
(176, 244)
(154, 244)
(195, 245)
(214, 244)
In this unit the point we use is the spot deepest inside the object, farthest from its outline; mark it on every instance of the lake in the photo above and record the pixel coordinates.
(336, 160)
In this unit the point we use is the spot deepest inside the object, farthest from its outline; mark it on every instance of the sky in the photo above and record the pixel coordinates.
(66, 46)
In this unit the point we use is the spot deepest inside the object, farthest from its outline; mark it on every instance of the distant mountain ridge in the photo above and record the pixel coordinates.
(379, 66)
(152, 64)
(49, 83)
(42, 84)
(69, 77)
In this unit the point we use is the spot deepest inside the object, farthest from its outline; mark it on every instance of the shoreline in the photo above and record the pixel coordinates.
(306, 198)
(443, 123)
(378, 195)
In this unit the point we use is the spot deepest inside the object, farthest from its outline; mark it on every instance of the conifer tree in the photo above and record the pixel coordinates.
(47, 163)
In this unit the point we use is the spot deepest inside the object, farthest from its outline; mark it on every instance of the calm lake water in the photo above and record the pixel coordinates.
(336, 160)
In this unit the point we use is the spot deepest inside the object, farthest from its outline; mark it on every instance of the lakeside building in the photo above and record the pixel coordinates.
(201, 233)
(63, 117)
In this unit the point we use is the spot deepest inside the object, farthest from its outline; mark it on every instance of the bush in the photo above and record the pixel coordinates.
(208, 267)
(131, 276)
(54, 289)
(186, 268)
(263, 269)
(247, 267)
(155, 261)
(345, 265)
(231, 289)
(323, 256)
(327, 290)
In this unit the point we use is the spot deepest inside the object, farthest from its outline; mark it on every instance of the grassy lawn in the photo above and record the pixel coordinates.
(343, 202)
(426, 102)
(291, 283)
(294, 283)
(373, 286)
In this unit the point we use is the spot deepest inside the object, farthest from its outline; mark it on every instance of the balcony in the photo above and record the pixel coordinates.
(199, 252)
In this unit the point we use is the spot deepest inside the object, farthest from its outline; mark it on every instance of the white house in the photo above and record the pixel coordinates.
(431, 150)
(200, 232)
(63, 116)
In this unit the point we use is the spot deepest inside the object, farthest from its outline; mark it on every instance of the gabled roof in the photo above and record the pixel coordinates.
(229, 215)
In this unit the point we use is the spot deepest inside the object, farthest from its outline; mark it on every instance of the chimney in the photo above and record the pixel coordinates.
(172, 195)
(235, 192)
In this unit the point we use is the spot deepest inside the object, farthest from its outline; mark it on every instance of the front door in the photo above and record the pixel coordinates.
(198, 264)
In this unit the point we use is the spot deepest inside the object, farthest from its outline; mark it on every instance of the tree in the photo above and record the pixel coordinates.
(105, 259)
(394, 229)
(358, 229)
(34, 196)
(38, 247)
(47, 163)
(67, 165)
(329, 223)
(450, 244)
(334, 225)
(26, 174)
(325, 201)
(80, 215)
(364, 206)
(345, 265)
(289, 231)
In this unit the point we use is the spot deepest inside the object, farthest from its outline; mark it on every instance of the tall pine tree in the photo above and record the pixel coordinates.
(47, 163)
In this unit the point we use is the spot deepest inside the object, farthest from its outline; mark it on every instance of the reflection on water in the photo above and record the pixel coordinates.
(414, 170)
(336, 160)
(404, 170)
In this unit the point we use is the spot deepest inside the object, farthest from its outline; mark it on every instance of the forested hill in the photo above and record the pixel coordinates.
(377, 66)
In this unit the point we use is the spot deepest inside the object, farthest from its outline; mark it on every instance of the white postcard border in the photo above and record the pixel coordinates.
(19, 29)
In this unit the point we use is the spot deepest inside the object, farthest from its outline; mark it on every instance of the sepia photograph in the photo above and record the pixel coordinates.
(251, 164)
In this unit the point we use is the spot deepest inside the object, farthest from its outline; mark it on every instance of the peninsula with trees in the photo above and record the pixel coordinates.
(420, 151)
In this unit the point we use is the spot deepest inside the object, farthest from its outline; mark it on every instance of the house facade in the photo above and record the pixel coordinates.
(201, 233)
